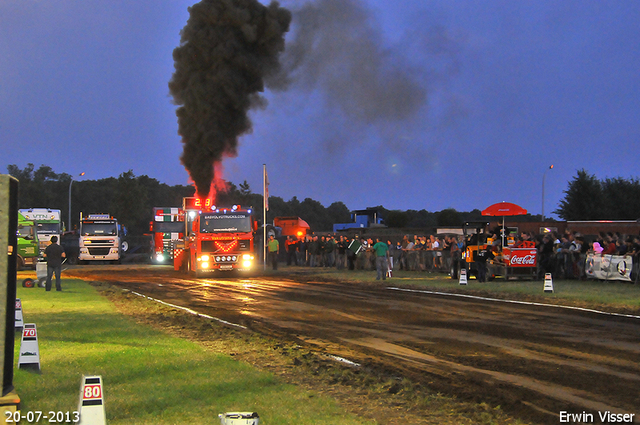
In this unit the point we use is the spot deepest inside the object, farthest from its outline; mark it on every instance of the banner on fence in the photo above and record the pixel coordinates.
(608, 267)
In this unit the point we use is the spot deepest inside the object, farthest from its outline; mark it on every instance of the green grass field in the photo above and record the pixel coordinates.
(149, 377)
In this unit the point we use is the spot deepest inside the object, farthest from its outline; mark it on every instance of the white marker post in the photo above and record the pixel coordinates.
(29, 351)
(548, 283)
(19, 320)
(463, 276)
(91, 405)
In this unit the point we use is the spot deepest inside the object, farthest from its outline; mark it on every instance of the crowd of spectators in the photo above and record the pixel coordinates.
(419, 253)
(563, 255)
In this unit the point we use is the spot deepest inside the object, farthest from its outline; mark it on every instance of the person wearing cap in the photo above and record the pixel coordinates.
(54, 254)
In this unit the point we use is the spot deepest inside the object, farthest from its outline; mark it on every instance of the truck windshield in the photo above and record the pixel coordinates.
(25, 231)
(168, 226)
(229, 223)
(99, 229)
(48, 228)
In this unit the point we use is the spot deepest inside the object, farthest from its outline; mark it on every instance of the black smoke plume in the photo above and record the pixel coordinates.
(227, 49)
(338, 47)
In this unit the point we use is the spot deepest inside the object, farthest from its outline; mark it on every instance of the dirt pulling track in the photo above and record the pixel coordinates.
(534, 361)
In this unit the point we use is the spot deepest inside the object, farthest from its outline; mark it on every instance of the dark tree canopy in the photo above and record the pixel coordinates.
(128, 198)
(587, 198)
(131, 198)
(449, 217)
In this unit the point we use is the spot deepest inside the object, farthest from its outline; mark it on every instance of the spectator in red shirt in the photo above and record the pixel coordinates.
(610, 248)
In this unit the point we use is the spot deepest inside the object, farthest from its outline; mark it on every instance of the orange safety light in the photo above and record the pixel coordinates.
(226, 247)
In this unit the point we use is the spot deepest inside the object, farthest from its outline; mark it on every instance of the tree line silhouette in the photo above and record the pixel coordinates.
(588, 198)
(130, 199)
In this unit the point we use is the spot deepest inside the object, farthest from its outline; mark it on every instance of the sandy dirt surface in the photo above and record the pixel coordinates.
(533, 361)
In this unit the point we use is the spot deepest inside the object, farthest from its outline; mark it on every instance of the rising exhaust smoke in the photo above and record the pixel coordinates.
(227, 50)
(338, 47)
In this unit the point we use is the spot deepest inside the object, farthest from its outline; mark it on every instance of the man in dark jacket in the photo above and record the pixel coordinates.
(54, 254)
(482, 257)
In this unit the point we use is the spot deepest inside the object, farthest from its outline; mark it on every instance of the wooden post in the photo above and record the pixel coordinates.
(8, 255)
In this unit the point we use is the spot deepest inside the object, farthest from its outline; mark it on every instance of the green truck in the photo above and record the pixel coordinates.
(28, 249)
(48, 223)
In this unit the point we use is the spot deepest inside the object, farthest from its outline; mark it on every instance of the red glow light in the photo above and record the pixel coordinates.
(226, 247)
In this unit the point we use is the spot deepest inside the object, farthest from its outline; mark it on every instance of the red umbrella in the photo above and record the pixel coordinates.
(504, 208)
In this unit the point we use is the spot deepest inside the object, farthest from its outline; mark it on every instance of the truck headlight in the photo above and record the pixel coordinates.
(204, 258)
(204, 265)
(247, 261)
(159, 258)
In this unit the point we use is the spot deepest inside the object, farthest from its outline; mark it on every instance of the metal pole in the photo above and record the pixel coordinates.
(69, 222)
(264, 216)
(70, 183)
(543, 176)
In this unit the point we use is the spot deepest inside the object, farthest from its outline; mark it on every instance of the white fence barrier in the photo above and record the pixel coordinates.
(609, 267)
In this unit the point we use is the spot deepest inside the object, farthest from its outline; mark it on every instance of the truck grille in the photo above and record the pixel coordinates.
(99, 251)
(210, 246)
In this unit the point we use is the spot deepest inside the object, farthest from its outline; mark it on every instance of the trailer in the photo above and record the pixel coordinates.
(292, 226)
(513, 262)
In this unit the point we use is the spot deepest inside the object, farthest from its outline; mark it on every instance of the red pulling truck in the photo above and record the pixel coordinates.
(216, 238)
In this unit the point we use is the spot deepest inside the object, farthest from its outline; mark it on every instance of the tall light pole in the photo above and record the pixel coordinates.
(70, 183)
(543, 176)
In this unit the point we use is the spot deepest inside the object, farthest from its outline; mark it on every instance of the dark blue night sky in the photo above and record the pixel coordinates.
(405, 104)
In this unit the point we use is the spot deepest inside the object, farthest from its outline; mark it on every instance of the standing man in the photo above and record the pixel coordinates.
(382, 259)
(341, 248)
(483, 255)
(273, 247)
(54, 254)
(291, 246)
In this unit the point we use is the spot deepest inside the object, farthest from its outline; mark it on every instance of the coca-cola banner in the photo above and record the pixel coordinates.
(608, 267)
(520, 257)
